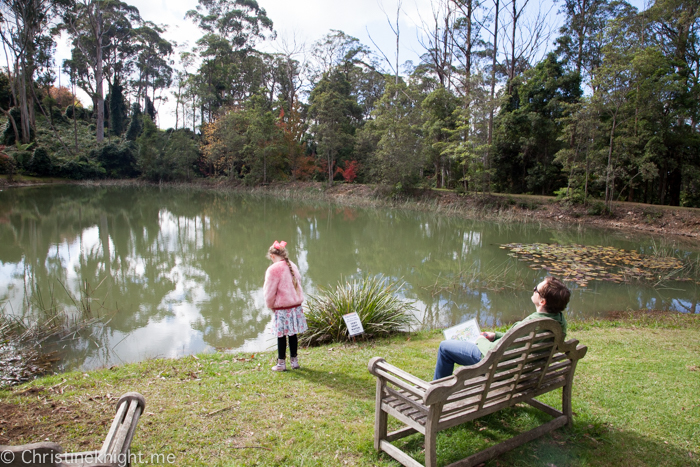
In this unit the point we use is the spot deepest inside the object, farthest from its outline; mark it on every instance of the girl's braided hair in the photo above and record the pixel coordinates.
(281, 251)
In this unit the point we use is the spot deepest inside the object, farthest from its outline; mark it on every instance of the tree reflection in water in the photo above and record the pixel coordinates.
(180, 271)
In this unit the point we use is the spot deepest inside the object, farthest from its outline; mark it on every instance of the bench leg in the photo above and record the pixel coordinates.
(431, 435)
(380, 417)
(566, 405)
(430, 451)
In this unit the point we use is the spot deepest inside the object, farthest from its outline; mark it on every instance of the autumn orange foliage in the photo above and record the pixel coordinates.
(63, 96)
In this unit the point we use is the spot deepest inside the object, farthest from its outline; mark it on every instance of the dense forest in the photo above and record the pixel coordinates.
(606, 107)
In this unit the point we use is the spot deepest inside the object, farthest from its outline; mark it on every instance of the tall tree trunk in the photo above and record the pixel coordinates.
(609, 179)
(511, 71)
(398, 13)
(330, 170)
(494, 55)
(25, 124)
(98, 78)
(12, 122)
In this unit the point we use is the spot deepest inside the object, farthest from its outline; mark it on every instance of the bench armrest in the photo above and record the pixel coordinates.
(403, 380)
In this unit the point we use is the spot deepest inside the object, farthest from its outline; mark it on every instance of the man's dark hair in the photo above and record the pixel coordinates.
(555, 294)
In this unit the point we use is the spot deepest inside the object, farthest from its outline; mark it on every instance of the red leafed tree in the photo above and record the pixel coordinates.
(349, 173)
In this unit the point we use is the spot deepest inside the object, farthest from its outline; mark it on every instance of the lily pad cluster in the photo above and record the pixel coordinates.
(584, 263)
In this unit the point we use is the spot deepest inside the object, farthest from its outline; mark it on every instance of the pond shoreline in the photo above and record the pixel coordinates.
(662, 220)
(680, 222)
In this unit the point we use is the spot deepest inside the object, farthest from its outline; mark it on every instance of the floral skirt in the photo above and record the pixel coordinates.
(289, 321)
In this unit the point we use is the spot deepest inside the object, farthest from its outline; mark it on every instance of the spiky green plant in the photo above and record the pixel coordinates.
(373, 298)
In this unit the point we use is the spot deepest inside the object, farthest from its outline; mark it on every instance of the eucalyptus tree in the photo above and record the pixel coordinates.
(436, 40)
(492, 82)
(466, 147)
(101, 33)
(25, 31)
(336, 49)
(675, 28)
(231, 29)
(291, 67)
(582, 36)
(614, 82)
(342, 53)
(289, 81)
(469, 46)
(528, 32)
(153, 64)
(182, 77)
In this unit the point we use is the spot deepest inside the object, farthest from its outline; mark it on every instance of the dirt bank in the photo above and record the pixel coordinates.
(661, 220)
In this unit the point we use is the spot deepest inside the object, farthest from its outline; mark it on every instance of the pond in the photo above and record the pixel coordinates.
(172, 272)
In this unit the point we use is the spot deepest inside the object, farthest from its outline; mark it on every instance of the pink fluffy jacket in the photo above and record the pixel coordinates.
(279, 289)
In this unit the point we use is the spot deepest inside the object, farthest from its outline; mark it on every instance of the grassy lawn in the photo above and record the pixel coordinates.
(636, 400)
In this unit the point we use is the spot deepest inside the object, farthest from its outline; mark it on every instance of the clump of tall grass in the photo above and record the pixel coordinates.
(499, 277)
(690, 263)
(375, 301)
(42, 318)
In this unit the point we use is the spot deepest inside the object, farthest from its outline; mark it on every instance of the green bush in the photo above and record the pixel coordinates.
(23, 159)
(118, 160)
(80, 112)
(597, 208)
(56, 115)
(40, 163)
(571, 195)
(7, 164)
(373, 298)
(81, 169)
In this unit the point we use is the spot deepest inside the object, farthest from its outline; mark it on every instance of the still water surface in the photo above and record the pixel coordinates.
(176, 272)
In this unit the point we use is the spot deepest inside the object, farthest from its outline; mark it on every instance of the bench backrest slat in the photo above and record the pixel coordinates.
(524, 353)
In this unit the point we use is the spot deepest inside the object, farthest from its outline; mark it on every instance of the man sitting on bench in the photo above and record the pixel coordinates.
(550, 297)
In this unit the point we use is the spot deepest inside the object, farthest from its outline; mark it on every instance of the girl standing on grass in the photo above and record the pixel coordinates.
(283, 294)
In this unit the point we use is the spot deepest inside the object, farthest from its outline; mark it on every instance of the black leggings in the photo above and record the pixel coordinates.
(282, 346)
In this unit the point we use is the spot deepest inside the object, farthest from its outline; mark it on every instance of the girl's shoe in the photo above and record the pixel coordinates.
(281, 366)
(295, 363)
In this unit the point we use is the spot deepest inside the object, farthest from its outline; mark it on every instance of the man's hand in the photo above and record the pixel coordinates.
(489, 335)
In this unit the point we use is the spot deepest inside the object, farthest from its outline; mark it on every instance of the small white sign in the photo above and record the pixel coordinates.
(352, 321)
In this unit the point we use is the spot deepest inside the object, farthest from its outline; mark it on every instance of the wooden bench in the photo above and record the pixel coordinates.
(115, 450)
(530, 359)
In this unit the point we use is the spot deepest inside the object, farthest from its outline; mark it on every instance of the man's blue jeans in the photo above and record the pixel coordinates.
(453, 351)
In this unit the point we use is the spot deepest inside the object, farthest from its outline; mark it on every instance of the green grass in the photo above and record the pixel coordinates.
(635, 401)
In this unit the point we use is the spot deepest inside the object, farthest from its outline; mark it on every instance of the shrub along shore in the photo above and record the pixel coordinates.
(635, 403)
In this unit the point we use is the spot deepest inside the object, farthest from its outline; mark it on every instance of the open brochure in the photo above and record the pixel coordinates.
(466, 331)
